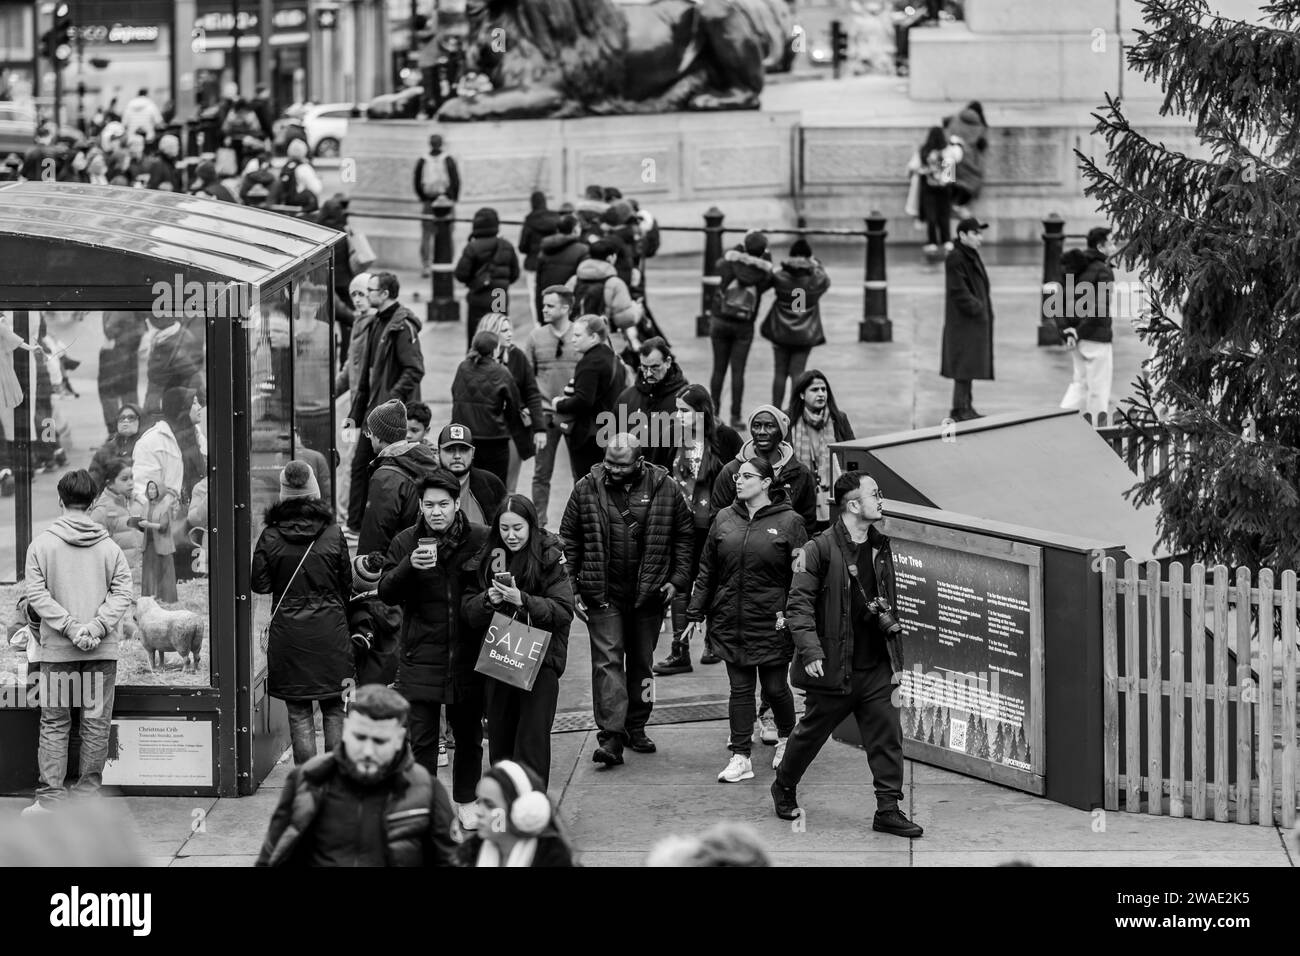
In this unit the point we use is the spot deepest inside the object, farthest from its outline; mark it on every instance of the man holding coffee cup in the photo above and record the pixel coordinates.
(424, 573)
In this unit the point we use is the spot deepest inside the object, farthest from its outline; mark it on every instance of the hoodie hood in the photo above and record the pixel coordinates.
(486, 223)
(747, 452)
(780, 502)
(414, 458)
(596, 269)
(553, 244)
(299, 519)
(78, 530)
(741, 257)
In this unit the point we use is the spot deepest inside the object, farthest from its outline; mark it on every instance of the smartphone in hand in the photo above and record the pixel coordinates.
(504, 579)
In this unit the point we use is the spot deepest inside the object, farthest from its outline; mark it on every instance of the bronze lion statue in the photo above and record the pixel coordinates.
(565, 58)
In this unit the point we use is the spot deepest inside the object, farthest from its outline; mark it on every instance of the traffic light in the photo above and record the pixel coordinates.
(56, 44)
(839, 45)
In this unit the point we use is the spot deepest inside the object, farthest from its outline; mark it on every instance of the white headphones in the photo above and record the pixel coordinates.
(531, 810)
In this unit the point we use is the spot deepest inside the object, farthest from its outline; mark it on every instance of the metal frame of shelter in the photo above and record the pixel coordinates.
(66, 246)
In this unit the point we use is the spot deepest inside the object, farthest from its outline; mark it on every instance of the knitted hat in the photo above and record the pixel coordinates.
(800, 249)
(366, 570)
(782, 419)
(297, 480)
(618, 213)
(387, 423)
(755, 243)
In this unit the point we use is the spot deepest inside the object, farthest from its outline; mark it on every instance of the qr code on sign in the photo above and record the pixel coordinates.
(957, 735)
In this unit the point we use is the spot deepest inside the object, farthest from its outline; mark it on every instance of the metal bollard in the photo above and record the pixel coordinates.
(1053, 243)
(442, 306)
(710, 280)
(875, 325)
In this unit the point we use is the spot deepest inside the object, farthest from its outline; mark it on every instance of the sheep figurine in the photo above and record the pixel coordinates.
(162, 630)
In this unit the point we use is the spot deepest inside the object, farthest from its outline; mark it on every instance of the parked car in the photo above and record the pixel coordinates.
(326, 124)
(404, 104)
(18, 129)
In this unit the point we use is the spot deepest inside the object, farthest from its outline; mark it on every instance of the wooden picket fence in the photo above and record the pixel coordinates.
(1174, 618)
(1137, 449)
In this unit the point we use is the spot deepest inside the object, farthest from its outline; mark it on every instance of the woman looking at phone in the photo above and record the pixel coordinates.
(521, 574)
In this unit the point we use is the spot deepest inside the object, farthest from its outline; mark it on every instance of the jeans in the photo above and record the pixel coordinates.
(89, 685)
(465, 717)
(359, 477)
(493, 454)
(623, 642)
(787, 363)
(544, 467)
(519, 722)
(961, 395)
(427, 231)
(776, 690)
(870, 701)
(302, 726)
(731, 341)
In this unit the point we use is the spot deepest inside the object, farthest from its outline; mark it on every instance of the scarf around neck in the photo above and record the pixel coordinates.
(812, 446)
(521, 854)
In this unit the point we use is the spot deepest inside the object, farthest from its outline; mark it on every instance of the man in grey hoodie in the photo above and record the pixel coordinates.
(79, 582)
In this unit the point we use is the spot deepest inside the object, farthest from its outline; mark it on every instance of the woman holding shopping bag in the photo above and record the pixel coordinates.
(522, 576)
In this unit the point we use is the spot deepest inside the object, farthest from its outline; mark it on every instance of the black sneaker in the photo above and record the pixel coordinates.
(609, 753)
(708, 658)
(893, 821)
(677, 662)
(640, 743)
(785, 802)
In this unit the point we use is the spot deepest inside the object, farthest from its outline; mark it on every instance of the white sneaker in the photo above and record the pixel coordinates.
(36, 809)
(769, 734)
(780, 752)
(740, 768)
(442, 755)
(468, 818)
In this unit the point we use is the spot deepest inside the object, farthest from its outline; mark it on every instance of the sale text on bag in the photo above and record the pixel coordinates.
(494, 640)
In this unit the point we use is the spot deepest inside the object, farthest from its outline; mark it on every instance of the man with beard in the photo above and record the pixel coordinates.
(647, 409)
(816, 422)
(481, 492)
(367, 802)
(425, 573)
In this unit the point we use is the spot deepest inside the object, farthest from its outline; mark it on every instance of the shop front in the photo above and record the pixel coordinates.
(226, 41)
(118, 285)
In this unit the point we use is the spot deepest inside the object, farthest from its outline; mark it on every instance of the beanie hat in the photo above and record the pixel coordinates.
(799, 249)
(618, 213)
(388, 421)
(755, 243)
(781, 418)
(366, 570)
(297, 480)
(486, 222)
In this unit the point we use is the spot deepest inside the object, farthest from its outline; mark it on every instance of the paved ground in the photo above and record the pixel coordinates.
(615, 816)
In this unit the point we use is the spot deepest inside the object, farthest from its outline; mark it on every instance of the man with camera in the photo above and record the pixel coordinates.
(846, 580)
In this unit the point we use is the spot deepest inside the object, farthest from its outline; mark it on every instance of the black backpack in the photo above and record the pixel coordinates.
(589, 296)
(286, 191)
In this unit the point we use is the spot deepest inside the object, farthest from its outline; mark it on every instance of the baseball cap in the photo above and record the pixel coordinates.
(971, 224)
(454, 434)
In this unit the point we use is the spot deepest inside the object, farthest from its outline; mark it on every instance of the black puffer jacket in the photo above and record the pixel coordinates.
(550, 609)
(417, 814)
(486, 399)
(391, 505)
(538, 225)
(438, 649)
(487, 249)
(666, 558)
(794, 318)
(744, 581)
(310, 655)
(798, 483)
(821, 603)
(557, 262)
(1089, 313)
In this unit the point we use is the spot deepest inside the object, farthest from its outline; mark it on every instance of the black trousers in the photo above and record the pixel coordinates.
(870, 701)
(465, 718)
(359, 474)
(519, 722)
(584, 456)
(731, 341)
(740, 707)
(961, 395)
(493, 454)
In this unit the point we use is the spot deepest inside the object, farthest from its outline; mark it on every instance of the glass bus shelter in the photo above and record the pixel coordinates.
(218, 318)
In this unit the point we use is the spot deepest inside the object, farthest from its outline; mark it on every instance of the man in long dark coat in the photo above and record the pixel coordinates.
(967, 319)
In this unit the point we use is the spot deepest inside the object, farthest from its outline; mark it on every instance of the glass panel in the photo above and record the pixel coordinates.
(19, 363)
(270, 362)
(313, 377)
(123, 394)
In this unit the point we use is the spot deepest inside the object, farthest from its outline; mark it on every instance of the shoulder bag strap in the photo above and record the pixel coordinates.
(292, 578)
